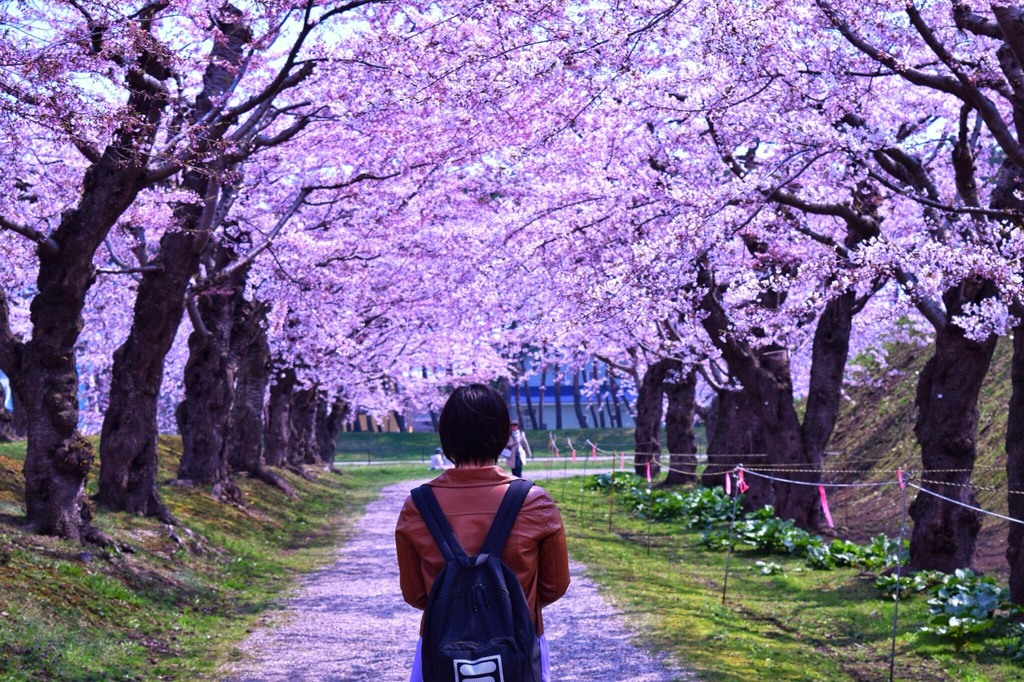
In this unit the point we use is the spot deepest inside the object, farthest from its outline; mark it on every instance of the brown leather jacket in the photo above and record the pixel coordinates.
(470, 496)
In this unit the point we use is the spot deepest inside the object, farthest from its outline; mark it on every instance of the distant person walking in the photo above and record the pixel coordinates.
(474, 427)
(518, 449)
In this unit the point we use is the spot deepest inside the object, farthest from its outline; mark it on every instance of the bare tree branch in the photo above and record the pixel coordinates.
(44, 242)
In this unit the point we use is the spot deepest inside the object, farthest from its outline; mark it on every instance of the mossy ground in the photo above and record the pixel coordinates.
(163, 603)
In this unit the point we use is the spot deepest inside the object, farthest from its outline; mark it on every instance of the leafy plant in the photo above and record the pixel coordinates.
(768, 533)
(768, 567)
(965, 605)
(821, 558)
(618, 481)
(908, 584)
(1016, 649)
(845, 553)
(883, 552)
(715, 540)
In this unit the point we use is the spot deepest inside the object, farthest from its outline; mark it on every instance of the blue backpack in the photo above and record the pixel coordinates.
(477, 626)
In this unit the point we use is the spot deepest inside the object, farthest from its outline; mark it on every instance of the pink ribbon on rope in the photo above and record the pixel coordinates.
(728, 483)
(824, 506)
(593, 451)
(648, 471)
(741, 485)
(899, 477)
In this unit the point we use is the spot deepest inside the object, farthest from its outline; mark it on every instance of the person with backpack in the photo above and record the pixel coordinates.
(481, 552)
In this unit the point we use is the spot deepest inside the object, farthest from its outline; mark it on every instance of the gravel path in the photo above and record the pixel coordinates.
(349, 622)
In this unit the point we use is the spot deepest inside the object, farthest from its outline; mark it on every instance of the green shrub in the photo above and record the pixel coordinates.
(965, 605)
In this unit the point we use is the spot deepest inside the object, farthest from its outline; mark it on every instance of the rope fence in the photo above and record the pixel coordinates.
(734, 483)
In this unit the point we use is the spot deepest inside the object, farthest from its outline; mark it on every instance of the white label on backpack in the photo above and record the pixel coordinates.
(487, 669)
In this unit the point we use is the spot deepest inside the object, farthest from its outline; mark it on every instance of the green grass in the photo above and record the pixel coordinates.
(174, 609)
(159, 607)
(797, 625)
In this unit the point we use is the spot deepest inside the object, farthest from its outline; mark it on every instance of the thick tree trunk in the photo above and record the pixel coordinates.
(945, 534)
(647, 435)
(1015, 469)
(734, 433)
(783, 441)
(128, 461)
(680, 389)
(278, 434)
(58, 458)
(244, 443)
(128, 465)
(204, 414)
(828, 363)
(765, 376)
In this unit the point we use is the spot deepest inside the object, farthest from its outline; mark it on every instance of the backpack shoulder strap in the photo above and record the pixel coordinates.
(438, 524)
(513, 500)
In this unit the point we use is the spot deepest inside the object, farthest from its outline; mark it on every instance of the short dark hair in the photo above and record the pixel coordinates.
(474, 425)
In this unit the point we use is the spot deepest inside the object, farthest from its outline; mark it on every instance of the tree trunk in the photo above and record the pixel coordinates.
(330, 419)
(529, 409)
(204, 414)
(590, 402)
(765, 376)
(829, 353)
(557, 385)
(541, 388)
(57, 457)
(680, 388)
(945, 534)
(244, 443)
(733, 432)
(128, 464)
(1015, 469)
(278, 433)
(648, 418)
(128, 461)
(517, 393)
(613, 388)
(303, 447)
(577, 401)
